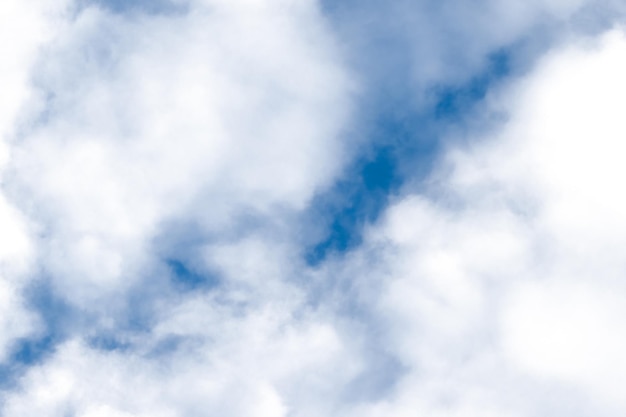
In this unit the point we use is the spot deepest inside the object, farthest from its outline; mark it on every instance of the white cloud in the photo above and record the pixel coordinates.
(201, 359)
(497, 291)
(201, 116)
(508, 273)
(24, 27)
(16, 255)
(198, 118)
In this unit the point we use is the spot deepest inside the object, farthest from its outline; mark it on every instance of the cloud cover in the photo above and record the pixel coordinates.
(157, 168)
(502, 285)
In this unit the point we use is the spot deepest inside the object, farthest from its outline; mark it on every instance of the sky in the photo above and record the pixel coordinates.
(305, 208)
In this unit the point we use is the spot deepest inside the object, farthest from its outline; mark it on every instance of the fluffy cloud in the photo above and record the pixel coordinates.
(15, 257)
(260, 365)
(24, 28)
(158, 149)
(505, 278)
(134, 134)
(220, 112)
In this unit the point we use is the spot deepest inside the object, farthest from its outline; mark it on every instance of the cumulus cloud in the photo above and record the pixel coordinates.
(504, 279)
(220, 112)
(155, 171)
(24, 28)
(148, 147)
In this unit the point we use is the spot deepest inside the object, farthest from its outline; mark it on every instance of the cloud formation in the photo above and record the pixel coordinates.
(158, 168)
(199, 118)
(503, 281)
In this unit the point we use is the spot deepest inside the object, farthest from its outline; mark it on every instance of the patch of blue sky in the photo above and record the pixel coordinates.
(453, 102)
(185, 278)
(108, 342)
(402, 144)
(180, 245)
(26, 353)
(140, 6)
(56, 321)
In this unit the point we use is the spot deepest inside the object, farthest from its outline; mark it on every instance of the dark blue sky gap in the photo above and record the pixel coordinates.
(186, 279)
(27, 353)
(397, 135)
(403, 142)
(56, 317)
(453, 102)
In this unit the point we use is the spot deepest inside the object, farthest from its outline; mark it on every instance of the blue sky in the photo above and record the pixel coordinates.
(298, 208)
